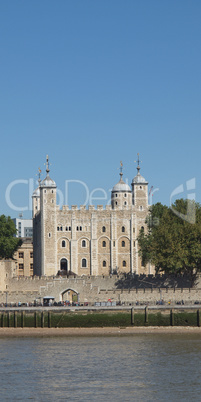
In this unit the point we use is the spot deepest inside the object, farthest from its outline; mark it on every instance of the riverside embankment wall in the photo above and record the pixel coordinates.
(83, 317)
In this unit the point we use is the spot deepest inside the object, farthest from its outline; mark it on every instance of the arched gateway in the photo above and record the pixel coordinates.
(70, 295)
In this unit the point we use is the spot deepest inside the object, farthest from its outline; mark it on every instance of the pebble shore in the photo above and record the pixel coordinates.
(106, 331)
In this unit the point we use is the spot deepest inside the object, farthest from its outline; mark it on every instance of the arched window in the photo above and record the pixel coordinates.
(104, 243)
(61, 228)
(123, 243)
(116, 203)
(123, 229)
(142, 228)
(125, 203)
(83, 243)
(57, 227)
(81, 228)
(103, 229)
(67, 228)
(84, 263)
(77, 227)
(125, 195)
(63, 243)
(104, 263)
(124, 263)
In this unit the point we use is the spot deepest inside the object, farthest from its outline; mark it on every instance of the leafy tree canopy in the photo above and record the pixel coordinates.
(173, 239)
(8, 243)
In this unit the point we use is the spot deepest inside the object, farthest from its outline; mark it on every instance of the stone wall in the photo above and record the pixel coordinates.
(93, 289)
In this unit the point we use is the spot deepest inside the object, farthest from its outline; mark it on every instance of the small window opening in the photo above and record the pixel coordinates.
(83, 243)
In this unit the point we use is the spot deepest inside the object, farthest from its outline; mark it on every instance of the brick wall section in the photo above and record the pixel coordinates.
(24, 256)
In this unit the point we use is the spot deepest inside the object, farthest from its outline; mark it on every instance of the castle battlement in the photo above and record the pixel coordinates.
(92, 208)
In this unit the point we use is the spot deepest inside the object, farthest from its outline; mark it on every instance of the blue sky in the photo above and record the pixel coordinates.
(94, 82)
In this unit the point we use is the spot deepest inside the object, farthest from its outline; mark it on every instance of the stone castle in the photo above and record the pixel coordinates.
(93, 241)
(99, 246)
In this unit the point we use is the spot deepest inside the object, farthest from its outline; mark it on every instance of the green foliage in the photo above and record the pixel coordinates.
(173, 239)
(8, 243)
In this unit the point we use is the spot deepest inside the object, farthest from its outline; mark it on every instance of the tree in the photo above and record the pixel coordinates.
(8, 243)
(173, 240)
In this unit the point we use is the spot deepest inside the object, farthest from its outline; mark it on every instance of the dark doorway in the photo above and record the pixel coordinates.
(64, 265)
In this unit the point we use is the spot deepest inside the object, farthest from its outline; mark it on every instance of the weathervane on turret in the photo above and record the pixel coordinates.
(39, 174)
(121, 169)
(138, 162)
(47, 165)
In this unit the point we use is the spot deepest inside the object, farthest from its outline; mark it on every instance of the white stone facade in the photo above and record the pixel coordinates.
(89, 241)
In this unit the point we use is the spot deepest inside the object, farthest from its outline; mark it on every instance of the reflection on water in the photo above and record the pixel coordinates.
(139, 367)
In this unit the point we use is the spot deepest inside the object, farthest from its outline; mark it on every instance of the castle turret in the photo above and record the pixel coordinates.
(48, 224)
(36, 197)
(139, 190)
(121, 197)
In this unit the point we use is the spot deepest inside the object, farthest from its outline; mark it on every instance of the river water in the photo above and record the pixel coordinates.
(148, 367)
